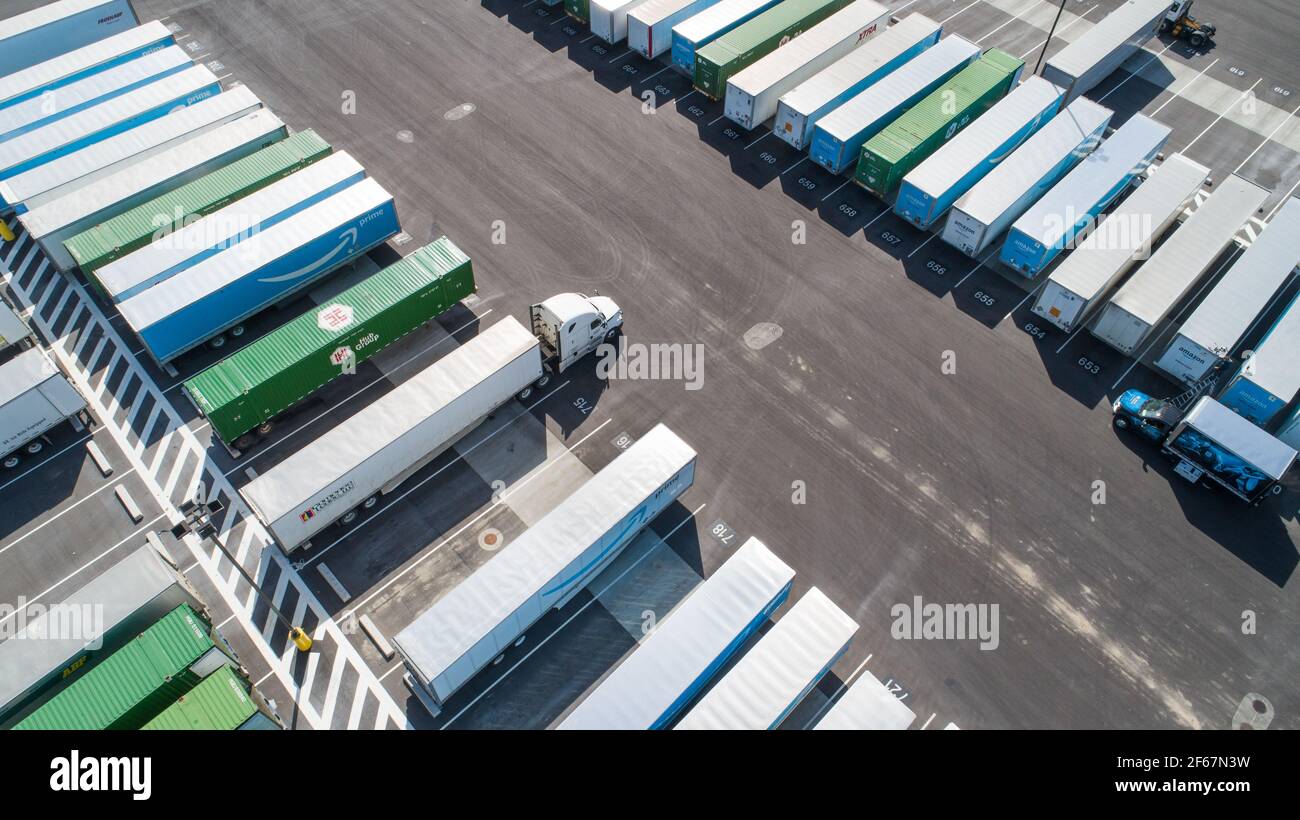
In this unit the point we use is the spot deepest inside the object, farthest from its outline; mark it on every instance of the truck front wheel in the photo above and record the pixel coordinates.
(1121, 423)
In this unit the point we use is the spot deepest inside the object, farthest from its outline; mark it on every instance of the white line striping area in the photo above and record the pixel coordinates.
(335, 584)
(945, 20)
(1266, 141)
(1235, 103)
(110, 485)
(1173, 95)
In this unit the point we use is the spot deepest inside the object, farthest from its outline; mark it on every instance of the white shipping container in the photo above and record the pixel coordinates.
(12, 328)
(71, 171)
(650, 25)
(989, 208)
(49, 30)
(1211, 333)
(867, 704)
(34, 397)
(1174, 269)
(1082, 281)
(798, 110)
(650, 687)
(941, 179)
(225, 227)
(1053, 222)
(89, 205)
(395, 435)
(609, 18)
(60, 102)
(103, 120)
(773, 677)
(64, 68)
(1100, 50)
(753, 92)
(482, 616)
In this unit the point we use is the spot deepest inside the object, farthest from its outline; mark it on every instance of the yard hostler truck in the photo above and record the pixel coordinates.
(1210, 441)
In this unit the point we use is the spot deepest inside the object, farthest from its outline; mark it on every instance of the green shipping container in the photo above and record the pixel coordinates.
(138, 681)
(221, 701)
(717, 61)
(258, 382)
(921, 130)
(100, 245)
(579, 10)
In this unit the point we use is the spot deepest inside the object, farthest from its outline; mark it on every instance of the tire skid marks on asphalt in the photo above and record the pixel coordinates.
(177, 466)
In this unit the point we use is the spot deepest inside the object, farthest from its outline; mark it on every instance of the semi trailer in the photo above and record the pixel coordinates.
(347, 470)
(1099, 51)
(544, 568)
(650, 25)
(223, 701)
(867, 705)
(697, 31)
(1269, 379)
(35, 397)
(54, 28)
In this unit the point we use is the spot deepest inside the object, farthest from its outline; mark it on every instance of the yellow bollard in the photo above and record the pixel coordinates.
(6, 234)
(301, 639)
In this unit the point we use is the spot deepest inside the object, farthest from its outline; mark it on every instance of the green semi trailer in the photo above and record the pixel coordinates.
(921, 130)
(245, 391)
(579, 10)
(137, 682)
(132, 230)
(222, 701)
(716, 62)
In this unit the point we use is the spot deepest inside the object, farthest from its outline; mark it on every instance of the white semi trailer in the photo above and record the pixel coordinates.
(35, 397)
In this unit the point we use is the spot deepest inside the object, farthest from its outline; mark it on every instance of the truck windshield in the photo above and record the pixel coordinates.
(1153, 408)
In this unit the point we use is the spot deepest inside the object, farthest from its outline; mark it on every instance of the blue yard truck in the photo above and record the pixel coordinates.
(1210, 441)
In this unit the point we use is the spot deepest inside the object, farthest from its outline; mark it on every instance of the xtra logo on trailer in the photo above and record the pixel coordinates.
(866, 32)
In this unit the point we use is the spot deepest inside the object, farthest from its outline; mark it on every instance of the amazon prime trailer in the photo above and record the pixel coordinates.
(80, 63)
(1102, 49)
(178, 250)
(838, 137)
(44, 655)
(931, 188)
(61, 219)
(74, 170)
(484, 615)
(1211, 333)
(798, 110)
(992, 204)
(652, 685)
(1138, 308)
(1072, 206)
(351, 466)
(753, 93)
(50, 30)
(1269, 379)
(1081, 283)
(201, 303)
(773, 677)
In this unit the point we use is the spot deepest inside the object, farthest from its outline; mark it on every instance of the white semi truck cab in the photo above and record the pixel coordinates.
(571, 325)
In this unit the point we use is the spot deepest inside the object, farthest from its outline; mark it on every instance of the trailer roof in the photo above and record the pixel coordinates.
(1035, 157)
(799, 52)
(1242, 437)
(712, 19)
(102, 85)
(90, 58)
(905, 82)
(12, 327)
(1026, 104)
(197, 197)
(227, 226)
(219, 270)
(102, 117)
(681, 650)
(283, 488)
(1169, 188)
(23, 372)
(656, 11)
(103, 193)
(89, 162)
(535, 560)
(867, 704)
(866, 59)
(1275, 366)
(1220, 321)
(761, 689)
(1178, 264)
(1108, 34)
(1127, 151)
(20, 24)
(119, 591)
(220, 701)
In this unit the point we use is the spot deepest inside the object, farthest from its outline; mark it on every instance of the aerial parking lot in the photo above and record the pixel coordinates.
(886, 414)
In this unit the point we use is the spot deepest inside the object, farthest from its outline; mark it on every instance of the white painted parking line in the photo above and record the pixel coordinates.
(945, 20)
(792, 167)
(999, 28)
(501, 499)
(837, 190)
(686, 96)
(65, 510)
(619, 57)
(1235, 103)
(44, 461)
(844, 684)
(1154, 57)
(1028, 295)
(927, 723)
(922, 245)
(1266, 139)
(757, 141)
(595, 596)
(656, 74)
(986, 258)
(1176, 94)
(715, 122)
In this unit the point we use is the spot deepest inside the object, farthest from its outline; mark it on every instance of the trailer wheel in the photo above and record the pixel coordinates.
(12, 461)
(1121, 423)
(370, 502)
(543, 381)
(1276, 489)
(244, 442)
(265, 427)
(237, 331)
(217, 342)
(525, 393)
(348, 517)
(34, 447)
